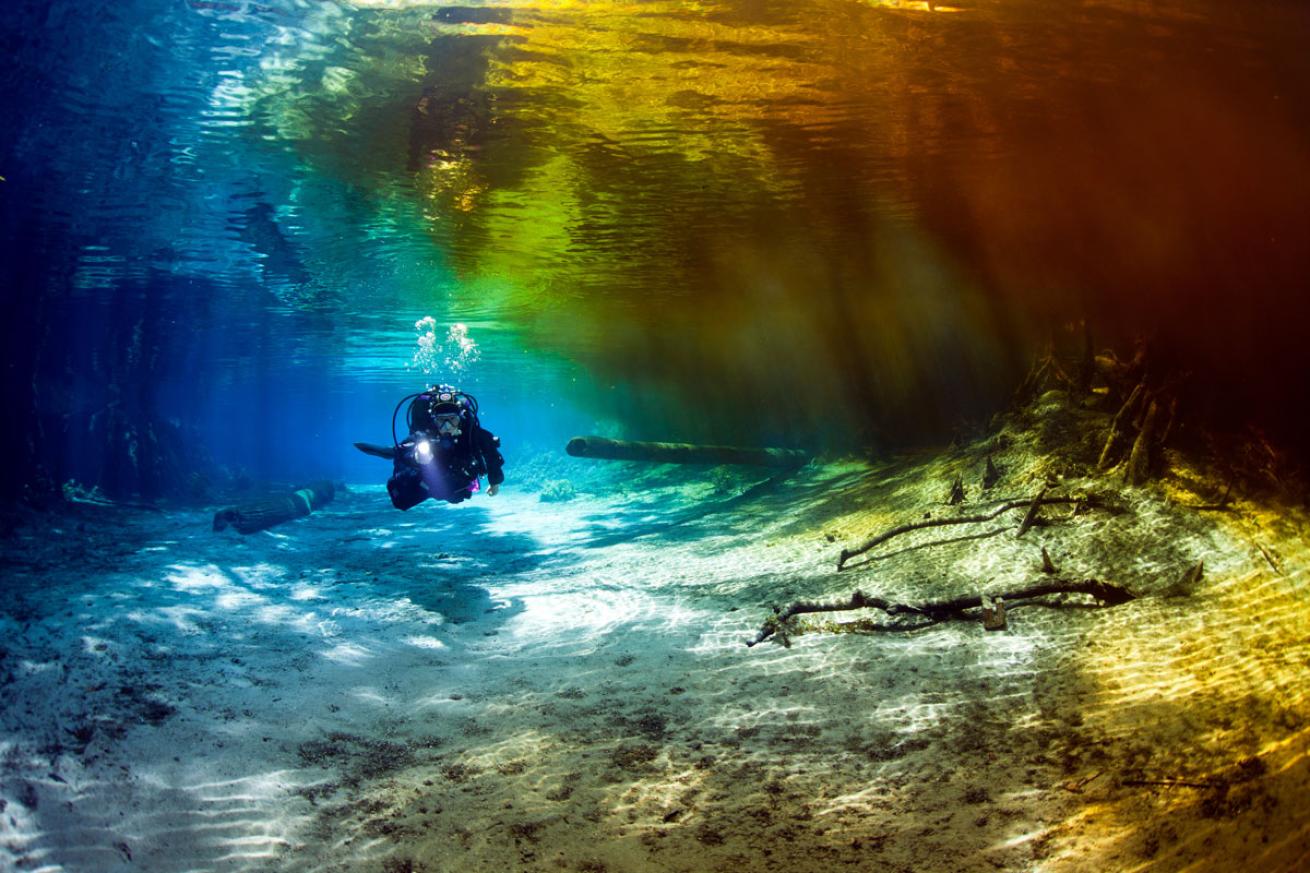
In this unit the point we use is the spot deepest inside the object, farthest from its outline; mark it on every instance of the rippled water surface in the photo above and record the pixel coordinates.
(863, 205)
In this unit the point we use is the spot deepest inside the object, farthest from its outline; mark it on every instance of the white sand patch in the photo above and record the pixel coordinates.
(197, 579)
(349, 654)
(425, 642)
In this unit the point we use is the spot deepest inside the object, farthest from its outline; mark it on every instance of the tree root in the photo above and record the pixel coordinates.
(1108, 594)
(1139, 459)
(1119, 428)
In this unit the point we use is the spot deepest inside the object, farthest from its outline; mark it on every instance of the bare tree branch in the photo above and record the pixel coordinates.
(1108, 594)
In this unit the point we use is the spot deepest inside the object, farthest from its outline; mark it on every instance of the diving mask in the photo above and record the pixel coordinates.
(448, 423)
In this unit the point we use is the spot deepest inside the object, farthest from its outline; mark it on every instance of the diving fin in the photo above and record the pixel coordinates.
(388, 452)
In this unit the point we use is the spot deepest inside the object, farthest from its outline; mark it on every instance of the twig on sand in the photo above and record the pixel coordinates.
(1077, 787)
(1172, 783)
(1030, 517)
(941, 610)
(1042, 499)
(1270, 558)
(1225, 503)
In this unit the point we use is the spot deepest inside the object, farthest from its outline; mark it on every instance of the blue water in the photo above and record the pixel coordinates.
(837, 225)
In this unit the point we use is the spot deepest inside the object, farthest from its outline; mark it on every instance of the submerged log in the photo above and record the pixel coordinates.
(261, 515)
(682, 453)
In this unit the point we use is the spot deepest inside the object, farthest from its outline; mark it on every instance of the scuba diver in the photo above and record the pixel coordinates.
(446, 453)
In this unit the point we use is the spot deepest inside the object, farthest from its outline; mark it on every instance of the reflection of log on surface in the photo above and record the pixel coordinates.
(682, 453)
(254, 517)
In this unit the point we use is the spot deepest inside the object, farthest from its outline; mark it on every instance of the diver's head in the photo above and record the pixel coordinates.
(442, 410)
(448, 413)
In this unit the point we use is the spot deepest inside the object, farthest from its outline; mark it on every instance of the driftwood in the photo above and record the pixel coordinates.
(1270, 558)
(847, 554)
(1139, 460)
(682, 453)
(1078, 786)
(942, 610)
(1172, 783)
(1030, 517)
(254, 517)
(1245, 770)
(1225, 503)
(1119, 427)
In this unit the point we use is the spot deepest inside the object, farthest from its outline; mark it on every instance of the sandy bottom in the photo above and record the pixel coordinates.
(520, 685)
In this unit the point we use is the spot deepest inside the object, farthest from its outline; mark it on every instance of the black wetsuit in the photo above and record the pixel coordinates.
(452, 473)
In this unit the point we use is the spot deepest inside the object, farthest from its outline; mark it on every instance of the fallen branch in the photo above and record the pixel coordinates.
(1225, 503)
(1077, 787)
(1138, 470)
(1245, 770)
(1270, 558)
(1030, 517)
(941, 610)
(1118, 427)
(1172, 783)
(847, 554)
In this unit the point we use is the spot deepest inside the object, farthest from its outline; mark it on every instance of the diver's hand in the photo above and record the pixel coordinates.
(493, 490)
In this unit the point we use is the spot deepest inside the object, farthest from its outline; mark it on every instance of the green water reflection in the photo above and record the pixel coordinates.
(823, 220)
